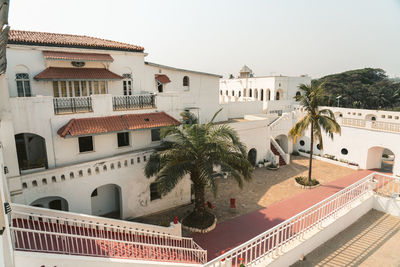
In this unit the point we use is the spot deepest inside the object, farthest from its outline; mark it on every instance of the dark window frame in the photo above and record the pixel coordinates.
(155, 135)
(154, 192)
(89, 147)
(123, 139)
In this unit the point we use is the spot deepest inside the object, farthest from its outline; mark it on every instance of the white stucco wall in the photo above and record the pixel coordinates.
(364, 146)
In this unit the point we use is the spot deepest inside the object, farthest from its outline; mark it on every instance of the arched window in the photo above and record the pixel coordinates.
(240, 94)
(298, 93)
(220, 91)
(127, 83)
(250, 93)
(233, 93)
(186, 81)
(277, 96)
(262, 94)
(226, 92)
(23, 84)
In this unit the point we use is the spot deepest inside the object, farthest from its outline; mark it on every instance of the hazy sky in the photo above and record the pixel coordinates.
(315, 37)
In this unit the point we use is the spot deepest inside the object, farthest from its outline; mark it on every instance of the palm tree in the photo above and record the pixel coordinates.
(318, 120)
(198, 150)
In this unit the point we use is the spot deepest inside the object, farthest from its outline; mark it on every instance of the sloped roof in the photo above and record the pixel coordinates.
(68, 40)
(162, 78)
(246, 69)
(126, 122)
(55, 73)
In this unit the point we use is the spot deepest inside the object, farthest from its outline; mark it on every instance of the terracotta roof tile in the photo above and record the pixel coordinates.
(58, 55)
(99, 125)
(54, 73)
(68, 40)
(162, 78)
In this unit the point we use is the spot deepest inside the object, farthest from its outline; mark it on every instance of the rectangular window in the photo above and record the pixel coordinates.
(154, 192)
(70, 89)
(96, 87)
(90, 85)
(155, 135)
(84, 89)
(76, 88)
(63, 86)
(56, 93)
(102, 87)
(85, 143)
(23, 84)
(123, 139)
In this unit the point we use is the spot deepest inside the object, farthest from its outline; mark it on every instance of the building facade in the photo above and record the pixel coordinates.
(80, 116)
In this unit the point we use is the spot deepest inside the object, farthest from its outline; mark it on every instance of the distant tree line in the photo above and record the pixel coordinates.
(367, 88)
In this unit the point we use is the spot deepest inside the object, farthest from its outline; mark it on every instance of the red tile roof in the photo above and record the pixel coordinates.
(67, 40)
(99, 125)
(54, 73)
(76, 56)
(162, 78)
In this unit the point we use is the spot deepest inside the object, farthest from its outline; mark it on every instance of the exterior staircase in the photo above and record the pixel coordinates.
(276, 153)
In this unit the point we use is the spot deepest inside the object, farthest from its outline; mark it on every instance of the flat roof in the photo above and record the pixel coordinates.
(178, 69)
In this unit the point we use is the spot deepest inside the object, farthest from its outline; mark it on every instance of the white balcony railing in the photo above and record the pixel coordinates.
(49, 231)
(272, 242)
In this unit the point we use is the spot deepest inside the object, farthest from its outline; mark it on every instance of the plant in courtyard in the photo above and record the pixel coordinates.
(305, 181)
(317, 120)
(196, 149)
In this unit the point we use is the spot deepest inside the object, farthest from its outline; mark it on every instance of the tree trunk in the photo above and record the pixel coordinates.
(199, 198)
(311, 152)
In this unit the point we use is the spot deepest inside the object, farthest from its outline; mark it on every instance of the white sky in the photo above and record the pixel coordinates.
(315, 37)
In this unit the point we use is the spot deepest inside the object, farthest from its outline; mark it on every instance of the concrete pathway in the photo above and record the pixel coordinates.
(231, 233)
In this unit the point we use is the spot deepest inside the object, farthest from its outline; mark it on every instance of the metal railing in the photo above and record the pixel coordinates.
(127, 102)
(272, 242)
(66, 105)
(53, 234)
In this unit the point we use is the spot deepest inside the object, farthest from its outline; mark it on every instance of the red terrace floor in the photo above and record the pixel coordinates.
(231, 233)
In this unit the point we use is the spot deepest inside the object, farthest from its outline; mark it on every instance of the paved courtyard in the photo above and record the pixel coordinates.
(267, 187)
(371, 241)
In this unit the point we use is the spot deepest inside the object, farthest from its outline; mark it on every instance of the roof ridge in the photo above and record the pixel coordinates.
(68, 35)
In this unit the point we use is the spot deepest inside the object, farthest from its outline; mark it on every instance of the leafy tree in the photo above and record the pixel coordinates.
(318, 120)
(363, 88)
(196, 150)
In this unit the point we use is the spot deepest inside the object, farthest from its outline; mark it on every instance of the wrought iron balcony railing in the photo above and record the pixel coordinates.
(65, 105)
(127, 102)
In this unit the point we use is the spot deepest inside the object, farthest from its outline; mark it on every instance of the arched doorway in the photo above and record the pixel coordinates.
(252, 156)
(268, 96)
(380, 158)
(279, 95)
(262, 95)
(54, 203)
(31, 151)
(370, 117)
(107, 201)
(282, 141)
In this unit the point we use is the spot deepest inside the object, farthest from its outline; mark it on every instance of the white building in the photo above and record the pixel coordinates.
(267, 89)
(80, 116)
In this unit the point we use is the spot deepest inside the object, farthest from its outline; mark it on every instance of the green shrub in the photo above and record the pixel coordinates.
(304, 181)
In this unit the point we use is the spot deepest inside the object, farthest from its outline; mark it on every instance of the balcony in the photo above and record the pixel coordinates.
(129, 102)
(68, 105)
